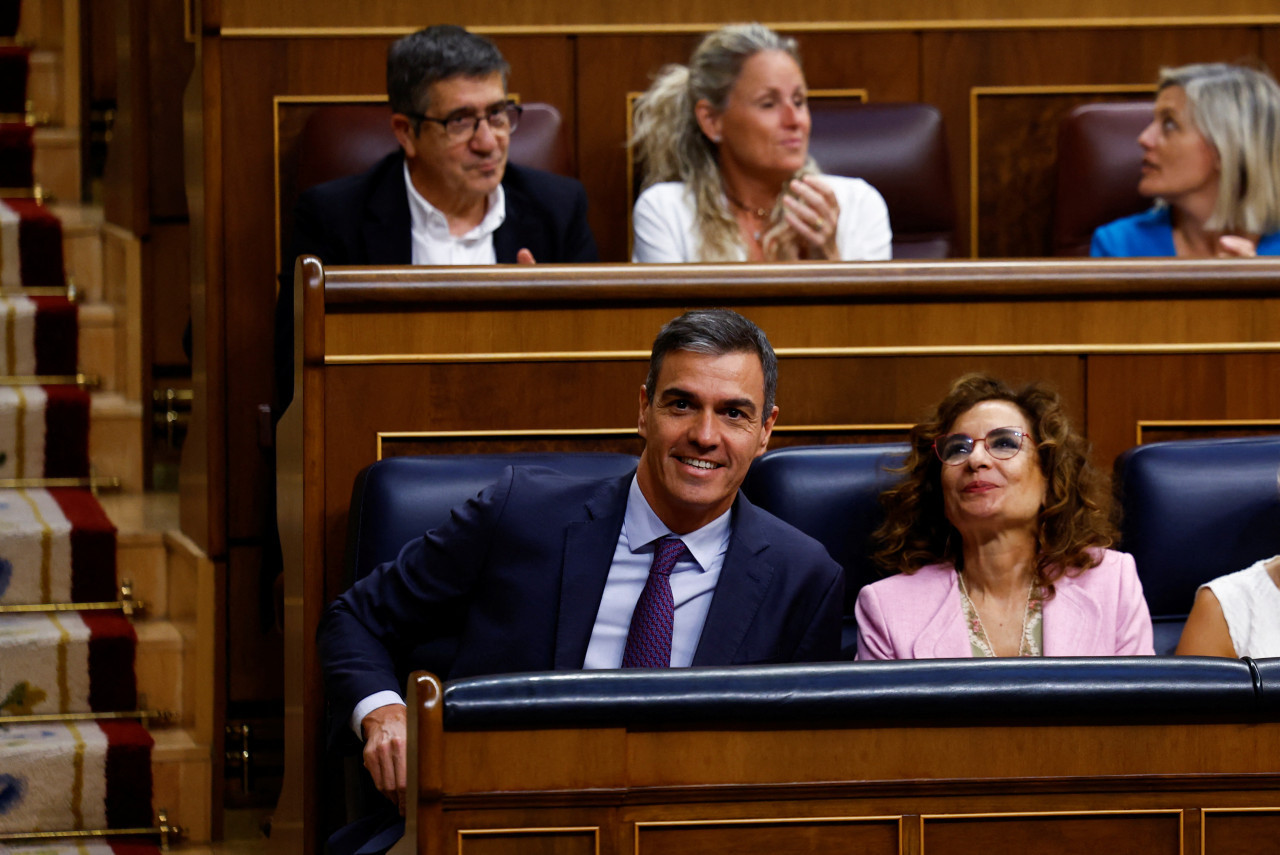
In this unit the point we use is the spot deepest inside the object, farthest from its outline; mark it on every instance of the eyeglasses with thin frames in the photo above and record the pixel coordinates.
(502, 119)
(1002, 443)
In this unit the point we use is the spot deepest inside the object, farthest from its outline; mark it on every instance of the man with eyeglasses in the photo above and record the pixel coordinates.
(447, 195)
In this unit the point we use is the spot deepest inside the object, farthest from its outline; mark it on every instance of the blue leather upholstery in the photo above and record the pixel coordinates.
(400, 498)
(926, 690)
(832, 494)
(1195, 510)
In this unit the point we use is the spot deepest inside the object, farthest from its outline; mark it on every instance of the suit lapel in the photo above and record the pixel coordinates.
(588, 554)
(507, 239)
(944, 635)
(387, 230)
(1072, 621)
(744, 580)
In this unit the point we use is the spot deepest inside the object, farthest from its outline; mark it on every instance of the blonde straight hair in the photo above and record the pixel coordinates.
(1238, 111)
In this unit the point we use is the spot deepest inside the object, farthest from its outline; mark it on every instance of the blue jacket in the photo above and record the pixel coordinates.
(1150, 235)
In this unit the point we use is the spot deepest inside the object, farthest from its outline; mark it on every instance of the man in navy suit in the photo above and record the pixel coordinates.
(448, 194)
(543, 572)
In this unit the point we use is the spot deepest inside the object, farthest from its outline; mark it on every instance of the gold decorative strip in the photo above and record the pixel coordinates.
(128, 606)
(77, 784)
(93, 482)
(775, 820)
(84, 381)
(975, 92)
(1033, 814)
(593, 830)
(497, 434)
(1143, 424)
(164, 830)
(64, 689)
(850, 26)
(822, 352)
(20, 435)
(46, 547)
(38, 291)
(10, 336)
(144, 716)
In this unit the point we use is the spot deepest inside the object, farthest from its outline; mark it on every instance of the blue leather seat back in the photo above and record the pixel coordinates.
(400, 498)
(832, 494)
(1195, 510)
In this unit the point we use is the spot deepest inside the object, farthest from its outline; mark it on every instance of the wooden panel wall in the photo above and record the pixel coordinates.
(411, 14)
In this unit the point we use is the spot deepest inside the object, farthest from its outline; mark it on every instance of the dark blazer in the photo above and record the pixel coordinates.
(518, 573)
(364, 219)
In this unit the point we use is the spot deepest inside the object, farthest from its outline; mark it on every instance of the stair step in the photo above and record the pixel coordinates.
(44, 85)
(82, 246)
(115, 439)
(57, 162)
(181, 773)
(100, 341)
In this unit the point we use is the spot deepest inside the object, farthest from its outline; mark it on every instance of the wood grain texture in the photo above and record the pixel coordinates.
(507, 14)
(956, 62)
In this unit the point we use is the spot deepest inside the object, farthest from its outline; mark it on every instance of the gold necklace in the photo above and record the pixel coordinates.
(1026, 609)
(761, 213)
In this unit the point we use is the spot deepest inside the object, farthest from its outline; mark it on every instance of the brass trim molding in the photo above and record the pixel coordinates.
(928, 24)
(1032, 814)
(768, 820)
(976, 92)
(570, 433)
(1143, 424)
(593, 830)
(824, 352)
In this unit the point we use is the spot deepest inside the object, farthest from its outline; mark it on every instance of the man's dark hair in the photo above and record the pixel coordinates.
(715, 332)
(434, 54)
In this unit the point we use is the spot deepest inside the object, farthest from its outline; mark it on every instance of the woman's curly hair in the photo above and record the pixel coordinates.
(1074, 524)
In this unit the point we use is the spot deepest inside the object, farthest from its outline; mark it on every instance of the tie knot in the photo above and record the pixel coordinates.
(667, 554)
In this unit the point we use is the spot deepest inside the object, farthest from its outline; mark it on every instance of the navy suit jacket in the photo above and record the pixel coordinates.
(518, 574)
(364, 219)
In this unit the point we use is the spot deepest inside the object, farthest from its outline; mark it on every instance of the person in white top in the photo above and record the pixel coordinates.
(724, 147)
(1236, 615)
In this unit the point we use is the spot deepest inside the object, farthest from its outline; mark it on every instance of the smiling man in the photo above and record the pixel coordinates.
(669, 566)
(447, 195)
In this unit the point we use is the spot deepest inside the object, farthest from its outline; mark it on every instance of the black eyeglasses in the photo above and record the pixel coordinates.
(502, 119)
(1002, 444)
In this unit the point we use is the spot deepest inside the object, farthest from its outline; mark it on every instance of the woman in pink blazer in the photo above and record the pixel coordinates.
(999, 535)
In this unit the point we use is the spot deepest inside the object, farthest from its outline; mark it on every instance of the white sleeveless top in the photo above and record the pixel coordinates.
(1251, 604)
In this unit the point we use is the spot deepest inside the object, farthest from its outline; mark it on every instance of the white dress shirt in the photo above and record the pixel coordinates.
(665, 226)
(429, 228)
(693, 583)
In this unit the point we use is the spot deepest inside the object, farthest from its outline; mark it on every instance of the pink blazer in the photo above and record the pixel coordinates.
(1101, 612)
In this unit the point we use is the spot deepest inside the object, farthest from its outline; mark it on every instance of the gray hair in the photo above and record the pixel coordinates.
(715, 332)
(434, 54)
(1237, 109)
(669, 144)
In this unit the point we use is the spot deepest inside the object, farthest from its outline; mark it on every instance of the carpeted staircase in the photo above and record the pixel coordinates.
(76, 754)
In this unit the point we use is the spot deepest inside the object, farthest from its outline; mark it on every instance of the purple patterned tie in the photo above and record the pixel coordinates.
(649, 639)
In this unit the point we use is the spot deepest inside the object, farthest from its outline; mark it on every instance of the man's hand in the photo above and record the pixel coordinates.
(524, 256)
(386, 754)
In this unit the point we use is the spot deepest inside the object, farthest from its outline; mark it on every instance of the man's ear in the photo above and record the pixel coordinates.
(641, 426)
(708, 119)
(402, 127)
(766, 431)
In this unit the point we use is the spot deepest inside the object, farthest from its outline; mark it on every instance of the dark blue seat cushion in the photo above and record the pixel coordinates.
(832, 494)
(939, 691)
(1194, 510)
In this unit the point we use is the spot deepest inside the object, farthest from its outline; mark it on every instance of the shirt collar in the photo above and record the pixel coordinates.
(643, 527)
(425, 217)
